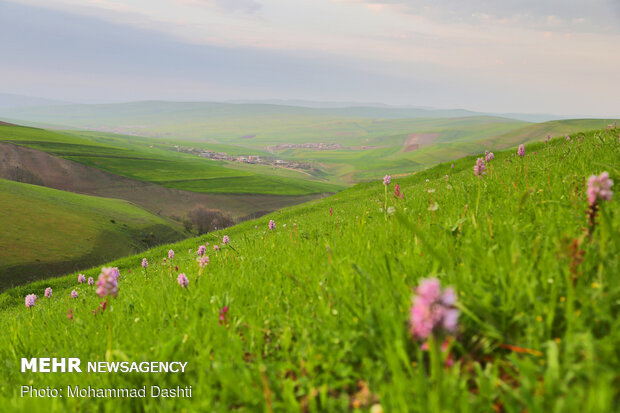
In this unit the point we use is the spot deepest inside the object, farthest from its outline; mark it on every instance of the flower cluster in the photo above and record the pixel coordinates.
(397, 192)
(107, 284)
(521, 150)
(91, 281)
(182, 280)
(170, 254)
(225, 240)
(145, 263)
(599, 188)
(81, 278)
(488, 156)
(433, 310)
(272, 224)
(74, 294)
(48, 292)
(479, 167)
(387, 179)
(202, 249)
(31, 299)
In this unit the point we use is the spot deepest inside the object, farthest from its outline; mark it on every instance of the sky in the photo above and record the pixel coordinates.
(528, 56)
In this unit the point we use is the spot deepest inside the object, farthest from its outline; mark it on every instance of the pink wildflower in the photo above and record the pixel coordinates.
(204, 261)
(74, 294)
(216, 248)
(488, 157)
(70, 314)
(48, 292)
(452, 166)
(145, 263)
(91, 281)
(387, 179)
(170, 254)
(397, 192)
(521, 150)
(81, 278)
(223, 314)
(567, 137)
(479, 168)
(547, 138)
(272, 224)
(225, 240)
(30, 300)
(182, 280)
(202, 249)
(331, 211)
(433, 310)
(107, 284)
(599, 188)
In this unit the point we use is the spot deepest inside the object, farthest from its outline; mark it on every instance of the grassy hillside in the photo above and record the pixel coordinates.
(143, 160)
(46, 232)
(317, 310)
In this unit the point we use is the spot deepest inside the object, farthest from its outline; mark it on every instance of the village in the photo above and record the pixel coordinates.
(248, 159)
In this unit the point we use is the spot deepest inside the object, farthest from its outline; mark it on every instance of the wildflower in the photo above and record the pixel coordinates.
(107, 284)
(170, 254)
(70, 314)
(567, 137)
(433, 206)
(397, 192)
(48, 292)
(30, 300)
(225, 240)
(452, 166)
(521, 150)
(272, 224)
(216, 248)
(387, 179)
(433, 310)
(91, 281)
(331, 211)
(145, 263)
(182, 280)
(479, 168)
(391, 210)
(204, 261)
(81, 279)
(547, 138)
(223, 313)
(599, 188)
(74, 294)
(488, 157)
(202, 249)
(176, 268)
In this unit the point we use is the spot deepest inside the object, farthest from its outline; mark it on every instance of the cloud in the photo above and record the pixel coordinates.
(244, 6)
(560, 15)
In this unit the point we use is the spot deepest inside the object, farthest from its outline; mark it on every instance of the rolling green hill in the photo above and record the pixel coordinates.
(47, 232)
(314, 315)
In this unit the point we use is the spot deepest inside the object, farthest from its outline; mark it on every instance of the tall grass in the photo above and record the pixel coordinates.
(318, 308)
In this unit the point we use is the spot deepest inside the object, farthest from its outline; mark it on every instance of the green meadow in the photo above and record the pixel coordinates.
(314, 314)
(145, 160)
(46, 232)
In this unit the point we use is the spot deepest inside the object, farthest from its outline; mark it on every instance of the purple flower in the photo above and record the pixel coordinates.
(223, 313)
(170, 254)
(567, 137)
(521, 150)
(479, 168)
(81, 278)
(48, 292)
(547, 138)
(488, 157)
(387, 179)
(225, 240)
(204, 261)
(30, 300)
(599, 188)
(74, 294)
(107, 284)
(201, 250)
(182, 280)
(452, 166)
(91, 281)
(272, 224)
(433, 310)
(145, 263)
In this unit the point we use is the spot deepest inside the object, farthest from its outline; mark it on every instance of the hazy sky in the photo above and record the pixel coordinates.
(553, 56)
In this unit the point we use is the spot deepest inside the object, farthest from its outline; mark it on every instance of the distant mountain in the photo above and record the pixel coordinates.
(11, 101)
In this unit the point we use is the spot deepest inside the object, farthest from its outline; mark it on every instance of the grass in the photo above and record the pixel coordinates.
(319, 307)
(47, 232)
